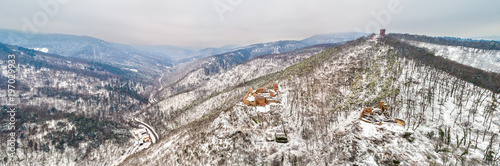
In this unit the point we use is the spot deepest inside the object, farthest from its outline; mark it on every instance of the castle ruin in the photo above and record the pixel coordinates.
(261, 96)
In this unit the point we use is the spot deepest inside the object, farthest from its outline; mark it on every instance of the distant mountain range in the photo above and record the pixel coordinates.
(332, 38)
(218, 63)
(243, 54)
(96, 49)
(150, 60)
(144, 61)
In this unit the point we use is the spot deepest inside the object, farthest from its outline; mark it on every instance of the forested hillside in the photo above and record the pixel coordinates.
(449, 120)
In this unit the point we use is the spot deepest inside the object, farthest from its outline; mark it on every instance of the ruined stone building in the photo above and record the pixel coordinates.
(261, 96)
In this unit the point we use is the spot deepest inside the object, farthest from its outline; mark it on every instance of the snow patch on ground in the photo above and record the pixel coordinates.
(44, 50)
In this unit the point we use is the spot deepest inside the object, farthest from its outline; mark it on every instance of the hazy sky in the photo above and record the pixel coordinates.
(213, 23)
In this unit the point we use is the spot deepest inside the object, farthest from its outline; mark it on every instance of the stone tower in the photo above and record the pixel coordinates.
(382, 32)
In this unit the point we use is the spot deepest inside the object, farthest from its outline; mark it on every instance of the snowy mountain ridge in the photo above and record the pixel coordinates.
(450, 110)
(448, 120)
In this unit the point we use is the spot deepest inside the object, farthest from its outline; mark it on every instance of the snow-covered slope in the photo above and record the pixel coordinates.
(205, 92)
(69, 109)
(448, 120)
(226, 57)
(488, 60)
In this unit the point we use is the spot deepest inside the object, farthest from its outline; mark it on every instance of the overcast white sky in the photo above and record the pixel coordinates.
(213, 23)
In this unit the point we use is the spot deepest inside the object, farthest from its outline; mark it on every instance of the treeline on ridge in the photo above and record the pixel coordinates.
(450, 41)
